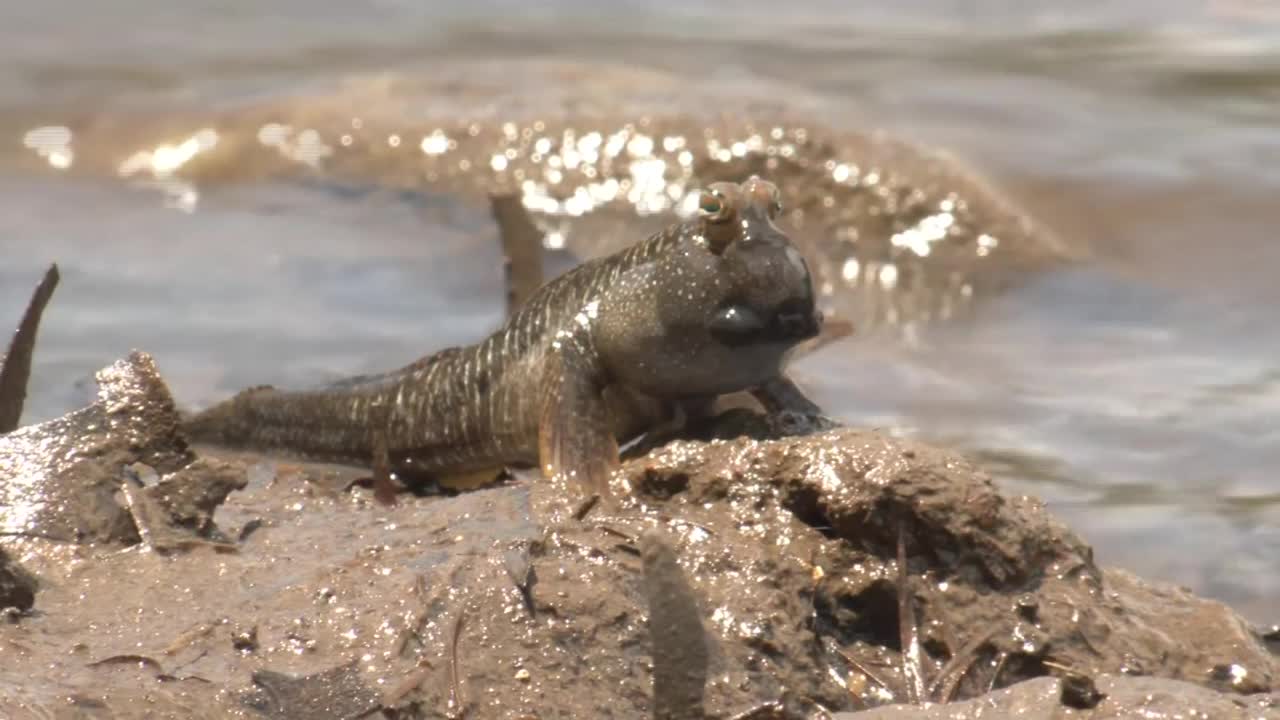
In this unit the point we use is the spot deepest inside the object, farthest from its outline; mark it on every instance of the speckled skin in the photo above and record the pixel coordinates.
(708, 306)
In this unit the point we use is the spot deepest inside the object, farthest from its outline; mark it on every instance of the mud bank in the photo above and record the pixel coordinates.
(309, 599)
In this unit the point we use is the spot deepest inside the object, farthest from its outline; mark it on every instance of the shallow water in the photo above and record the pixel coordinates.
(1138, 393)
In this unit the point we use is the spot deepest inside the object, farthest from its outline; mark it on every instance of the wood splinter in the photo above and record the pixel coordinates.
(15, 367)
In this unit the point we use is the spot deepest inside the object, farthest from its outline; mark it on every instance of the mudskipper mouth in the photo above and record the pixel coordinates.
(799, 326)
(790, 323)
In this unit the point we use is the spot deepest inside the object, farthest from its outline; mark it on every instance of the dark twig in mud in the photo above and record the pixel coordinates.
(129, 659)
(15, 367)
(586, 507)
(196, 632)
(680, 654)
(521, 249)
(862, 668)
(456, 709)
(161, 674)
(610, 530)
(908, 632)
(518, 562)
(1078, 689)
(995, 675)
(413, 629)
(944, 686)
(411, 682)
(767, 711)
(32, 535)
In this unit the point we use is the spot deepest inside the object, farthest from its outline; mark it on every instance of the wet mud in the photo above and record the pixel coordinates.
(61, 478)
(807, 568)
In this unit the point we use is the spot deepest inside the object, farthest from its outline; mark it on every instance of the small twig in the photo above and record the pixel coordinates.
(15, 367)
(521, 248)
(610, 530)
(1000, 663)
(130, 659)
(456, 710)
(518, 562)
(1060, 667)
(32, 535)
(943, 688)
(699, 526)
(860, 667)
(586, 507)
(189, 636)
(411, 681)
(761, 712)
(189, 663)
(908, 632)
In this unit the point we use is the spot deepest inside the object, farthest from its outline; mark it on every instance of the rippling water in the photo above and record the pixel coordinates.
(1138, 392)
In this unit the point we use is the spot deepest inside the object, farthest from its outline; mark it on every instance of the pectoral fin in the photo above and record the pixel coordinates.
(781, 393)
(575, 436)
(471, 480)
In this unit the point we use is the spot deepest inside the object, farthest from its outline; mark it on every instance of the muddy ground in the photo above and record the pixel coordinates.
(783, 560)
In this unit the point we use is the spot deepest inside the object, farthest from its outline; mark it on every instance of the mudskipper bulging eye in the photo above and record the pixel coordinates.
(735, 325)
(711, 206)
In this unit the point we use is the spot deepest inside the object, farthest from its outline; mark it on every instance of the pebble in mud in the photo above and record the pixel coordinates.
(17, 586)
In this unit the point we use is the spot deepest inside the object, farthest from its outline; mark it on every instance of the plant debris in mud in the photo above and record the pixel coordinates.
(335, 694)
(679, 642)
(15, 366)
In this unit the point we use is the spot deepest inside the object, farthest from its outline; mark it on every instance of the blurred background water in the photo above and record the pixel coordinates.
(1138, 393)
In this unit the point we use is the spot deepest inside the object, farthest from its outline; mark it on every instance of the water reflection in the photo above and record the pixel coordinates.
(158, 167)
(53, 143)
(895, 235)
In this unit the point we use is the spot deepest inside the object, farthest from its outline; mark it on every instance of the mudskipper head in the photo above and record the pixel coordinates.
(767, 297)
(720, 310)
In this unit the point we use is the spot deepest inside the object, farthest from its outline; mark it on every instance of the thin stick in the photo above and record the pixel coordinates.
(944, 686)
(455, 690)
(860, 667)
(521, 248)
(909, 635)
(15, 368)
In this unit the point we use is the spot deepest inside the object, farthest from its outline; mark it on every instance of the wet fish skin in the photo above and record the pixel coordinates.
(709, 306)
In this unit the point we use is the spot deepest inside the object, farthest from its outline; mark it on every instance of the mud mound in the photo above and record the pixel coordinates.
(807, 554)
(58, 479)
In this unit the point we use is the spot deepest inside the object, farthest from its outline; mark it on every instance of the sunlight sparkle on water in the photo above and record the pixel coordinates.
(164, 160)
(920, 239)
(437, 143)
(53, 143)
